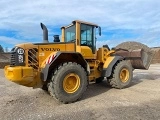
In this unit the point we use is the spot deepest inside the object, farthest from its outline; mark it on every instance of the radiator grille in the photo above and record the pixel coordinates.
(13, 59)
(33, 58)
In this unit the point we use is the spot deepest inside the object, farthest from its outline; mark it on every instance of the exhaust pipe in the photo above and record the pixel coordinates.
(45, 33)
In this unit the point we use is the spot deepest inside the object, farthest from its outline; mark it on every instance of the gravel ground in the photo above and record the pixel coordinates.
(141, 101)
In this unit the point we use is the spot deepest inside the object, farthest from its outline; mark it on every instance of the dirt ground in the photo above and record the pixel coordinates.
(141, 101)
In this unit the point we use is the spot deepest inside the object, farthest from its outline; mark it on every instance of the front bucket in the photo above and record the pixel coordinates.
(140, 59)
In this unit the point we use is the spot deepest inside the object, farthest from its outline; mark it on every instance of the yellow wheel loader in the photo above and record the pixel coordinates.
(65, 67)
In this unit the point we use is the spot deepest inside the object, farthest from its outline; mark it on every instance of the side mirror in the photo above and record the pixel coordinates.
(99, 30)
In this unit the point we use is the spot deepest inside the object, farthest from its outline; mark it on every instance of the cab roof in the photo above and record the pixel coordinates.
(79, 21)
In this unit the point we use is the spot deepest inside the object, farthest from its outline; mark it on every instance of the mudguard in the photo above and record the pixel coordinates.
(61, 57)
(109, 64)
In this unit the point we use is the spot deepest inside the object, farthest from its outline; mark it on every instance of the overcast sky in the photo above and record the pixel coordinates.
(121, 20)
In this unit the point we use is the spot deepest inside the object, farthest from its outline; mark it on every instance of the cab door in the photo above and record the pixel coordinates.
(87, 41)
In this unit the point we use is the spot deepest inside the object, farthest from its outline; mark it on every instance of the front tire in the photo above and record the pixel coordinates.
(68, 83)
(122, 75)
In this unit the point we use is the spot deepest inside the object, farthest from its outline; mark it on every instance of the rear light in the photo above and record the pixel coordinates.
(17, 57)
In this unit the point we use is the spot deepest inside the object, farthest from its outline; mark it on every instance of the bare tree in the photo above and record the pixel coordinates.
(1, 49)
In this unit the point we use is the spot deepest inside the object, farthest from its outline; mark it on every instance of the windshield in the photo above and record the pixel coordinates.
(70, 34)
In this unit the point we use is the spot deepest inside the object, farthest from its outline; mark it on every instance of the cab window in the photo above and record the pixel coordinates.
(70, 34)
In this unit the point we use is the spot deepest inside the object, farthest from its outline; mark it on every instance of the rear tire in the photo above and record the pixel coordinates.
(122, 75)
(68, 83)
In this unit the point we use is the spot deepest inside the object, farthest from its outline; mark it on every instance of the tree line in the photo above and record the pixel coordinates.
(2, 49)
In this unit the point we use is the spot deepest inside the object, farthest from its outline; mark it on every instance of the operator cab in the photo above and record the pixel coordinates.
(82, 33)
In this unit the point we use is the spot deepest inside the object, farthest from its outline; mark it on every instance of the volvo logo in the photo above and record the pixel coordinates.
(50, 49)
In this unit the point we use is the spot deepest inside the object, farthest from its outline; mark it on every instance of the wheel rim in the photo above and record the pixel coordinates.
(124, 75)
(71, 83)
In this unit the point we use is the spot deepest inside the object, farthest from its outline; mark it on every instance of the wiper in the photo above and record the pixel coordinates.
(74, 40)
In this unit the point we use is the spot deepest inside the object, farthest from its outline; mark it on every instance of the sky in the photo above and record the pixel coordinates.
(120, 20)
